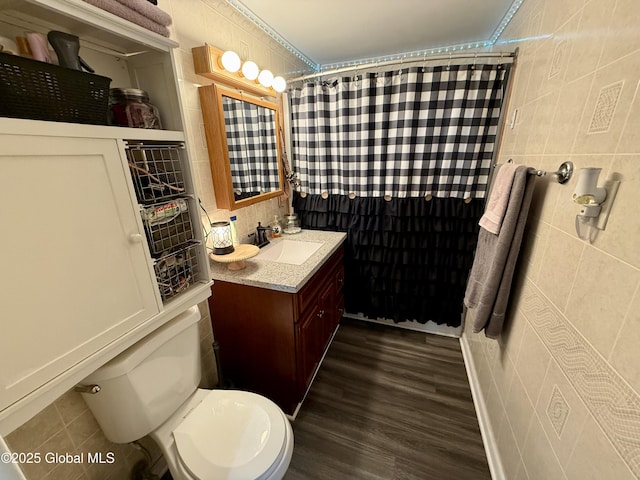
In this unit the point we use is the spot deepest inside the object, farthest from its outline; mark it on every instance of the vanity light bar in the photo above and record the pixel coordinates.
(230, 62)
(227, 67)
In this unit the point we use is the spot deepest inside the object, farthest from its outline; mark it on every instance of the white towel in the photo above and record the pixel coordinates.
(498, 199)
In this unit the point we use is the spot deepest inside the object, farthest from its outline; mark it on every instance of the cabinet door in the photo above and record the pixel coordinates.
(326, 315)
(76, 275)
(309, 335)
(339, 298)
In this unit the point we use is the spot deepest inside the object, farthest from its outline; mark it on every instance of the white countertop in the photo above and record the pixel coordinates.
(282, 276)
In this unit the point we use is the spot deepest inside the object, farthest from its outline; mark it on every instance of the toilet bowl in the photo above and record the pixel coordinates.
(151, 389)
(229, 434)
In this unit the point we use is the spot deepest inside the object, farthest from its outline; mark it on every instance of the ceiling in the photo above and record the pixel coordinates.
(341, 32)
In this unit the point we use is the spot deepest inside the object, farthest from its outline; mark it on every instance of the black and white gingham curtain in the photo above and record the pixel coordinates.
(252, 143)
(370, 152)
(401, 133)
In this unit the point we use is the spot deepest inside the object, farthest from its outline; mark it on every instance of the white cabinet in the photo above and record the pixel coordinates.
(79, 281)
(78, 273)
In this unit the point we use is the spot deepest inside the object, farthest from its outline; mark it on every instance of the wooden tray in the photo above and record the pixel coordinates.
(236, 259)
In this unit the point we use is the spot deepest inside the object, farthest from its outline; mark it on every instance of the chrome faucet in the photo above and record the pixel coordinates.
(261, 235)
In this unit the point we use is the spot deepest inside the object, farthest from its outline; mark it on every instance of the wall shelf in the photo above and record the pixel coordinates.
(91, 24)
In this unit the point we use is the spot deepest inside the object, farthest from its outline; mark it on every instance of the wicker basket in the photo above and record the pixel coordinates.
(41, 91)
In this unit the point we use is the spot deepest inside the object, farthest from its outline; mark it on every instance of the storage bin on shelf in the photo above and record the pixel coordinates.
(158, 180)
(42, 91)
(156, 171)
(167, 225)
(178, 270)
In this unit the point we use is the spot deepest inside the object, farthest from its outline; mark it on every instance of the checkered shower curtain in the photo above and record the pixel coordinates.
(377, 145)
(252, 145)
(402, 133)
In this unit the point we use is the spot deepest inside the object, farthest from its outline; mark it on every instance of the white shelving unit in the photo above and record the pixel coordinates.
(81, 283)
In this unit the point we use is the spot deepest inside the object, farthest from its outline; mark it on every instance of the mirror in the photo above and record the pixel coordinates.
(243, 139)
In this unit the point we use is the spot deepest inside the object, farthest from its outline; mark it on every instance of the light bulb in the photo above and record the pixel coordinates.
(279, 84)
(587, 191)
(230, 61)
(265, 78)
(586, 199)
(250, 70)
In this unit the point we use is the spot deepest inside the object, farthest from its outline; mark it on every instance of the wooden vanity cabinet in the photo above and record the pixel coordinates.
(272, 342)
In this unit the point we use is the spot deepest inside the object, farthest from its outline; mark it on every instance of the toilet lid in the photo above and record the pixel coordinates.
(231, 434)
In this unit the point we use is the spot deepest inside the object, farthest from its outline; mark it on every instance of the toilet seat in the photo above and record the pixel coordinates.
(233, 435)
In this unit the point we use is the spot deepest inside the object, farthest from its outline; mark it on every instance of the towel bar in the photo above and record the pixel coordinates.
(562, 175)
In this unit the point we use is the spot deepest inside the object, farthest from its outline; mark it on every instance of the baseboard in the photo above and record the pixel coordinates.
(488, 435)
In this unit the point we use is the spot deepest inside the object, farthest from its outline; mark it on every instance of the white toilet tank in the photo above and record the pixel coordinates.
(144, 385)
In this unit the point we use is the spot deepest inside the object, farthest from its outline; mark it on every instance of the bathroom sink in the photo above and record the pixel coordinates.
(289, 251)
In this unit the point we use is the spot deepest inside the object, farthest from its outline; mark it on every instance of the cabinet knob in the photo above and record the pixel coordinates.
(135, 238)
(321, 314)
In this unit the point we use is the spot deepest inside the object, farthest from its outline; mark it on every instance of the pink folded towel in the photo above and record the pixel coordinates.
(498, 199)
(122, 11)
(148, 10)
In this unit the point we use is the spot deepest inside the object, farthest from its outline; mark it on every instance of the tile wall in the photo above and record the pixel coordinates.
(562, 384)
(67, 426)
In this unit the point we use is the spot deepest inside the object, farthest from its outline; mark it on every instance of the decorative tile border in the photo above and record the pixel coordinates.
(611, 401)
(605, 107)
(558, 410)
(558, 59)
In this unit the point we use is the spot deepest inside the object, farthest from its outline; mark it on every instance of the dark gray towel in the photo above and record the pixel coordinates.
(495, 260)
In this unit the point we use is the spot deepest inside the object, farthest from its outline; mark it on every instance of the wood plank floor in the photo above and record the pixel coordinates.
(388, 404)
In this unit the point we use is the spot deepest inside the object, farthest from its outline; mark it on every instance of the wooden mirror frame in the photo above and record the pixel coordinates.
(215, 132)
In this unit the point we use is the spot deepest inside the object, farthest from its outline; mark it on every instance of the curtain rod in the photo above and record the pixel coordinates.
(502, 55)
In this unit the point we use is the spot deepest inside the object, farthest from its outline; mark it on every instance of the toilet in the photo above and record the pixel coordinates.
(152, 389)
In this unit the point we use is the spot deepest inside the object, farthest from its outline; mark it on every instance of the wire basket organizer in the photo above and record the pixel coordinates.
(167, 225)
(156, 171)
(42, 91)
(177, 271)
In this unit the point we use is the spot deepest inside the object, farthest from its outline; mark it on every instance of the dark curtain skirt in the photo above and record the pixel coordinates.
(405, 259)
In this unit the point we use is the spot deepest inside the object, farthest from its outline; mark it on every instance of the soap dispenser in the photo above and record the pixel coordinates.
(276, 229)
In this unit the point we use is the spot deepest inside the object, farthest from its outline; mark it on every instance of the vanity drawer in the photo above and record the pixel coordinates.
(327, 274)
